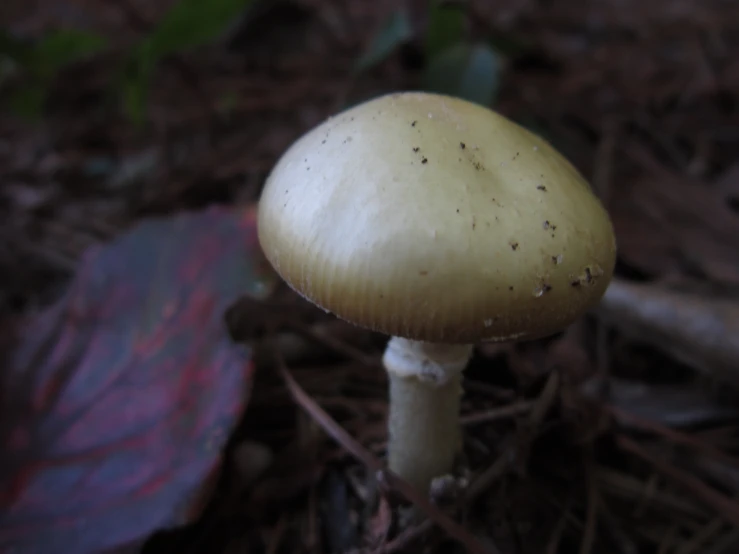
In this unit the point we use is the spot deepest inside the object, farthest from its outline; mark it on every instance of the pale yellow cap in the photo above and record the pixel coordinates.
(432, 218)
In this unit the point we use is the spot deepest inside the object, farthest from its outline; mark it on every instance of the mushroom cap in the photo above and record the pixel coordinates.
(431, 218)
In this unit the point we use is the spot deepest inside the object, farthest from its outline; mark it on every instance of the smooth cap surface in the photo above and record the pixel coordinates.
(432, 218)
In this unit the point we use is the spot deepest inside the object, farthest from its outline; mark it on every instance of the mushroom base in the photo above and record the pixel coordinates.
(425, 393)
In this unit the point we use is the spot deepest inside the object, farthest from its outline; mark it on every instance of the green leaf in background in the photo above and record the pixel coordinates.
(28, 101)
(63, 47)
(14, 49)
(467, 71)
(394, 32)
(134, 88)
(446, 27)
(40, 61)
(191, 23)
(187, 25)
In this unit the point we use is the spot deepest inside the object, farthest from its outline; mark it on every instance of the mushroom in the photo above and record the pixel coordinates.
(441, 223)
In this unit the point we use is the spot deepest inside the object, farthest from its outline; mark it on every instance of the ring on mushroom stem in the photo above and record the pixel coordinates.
(441, 223)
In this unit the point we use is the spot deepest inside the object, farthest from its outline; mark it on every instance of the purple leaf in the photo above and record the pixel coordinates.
(118, 400)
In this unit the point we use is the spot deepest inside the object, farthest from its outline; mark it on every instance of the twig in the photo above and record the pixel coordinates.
(640, 494)
(719, 502)
(327, 423)
(494, 414)
(539, 410)
(591, 515)
(486, 479)
(559, 530)
(405, 538)
(478, 486)
(730, 540)
(647, 495)
(278, 533)
(699, 540)
(336, 432)
(616, 531)
(668, 540)
(545, 401)
(673, 435)
(497, 393)
(331, 343)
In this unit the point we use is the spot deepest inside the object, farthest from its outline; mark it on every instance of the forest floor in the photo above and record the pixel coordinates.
(620, 435)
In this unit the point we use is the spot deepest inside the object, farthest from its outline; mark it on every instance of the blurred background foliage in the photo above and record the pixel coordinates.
(453, 64)
(188, 24)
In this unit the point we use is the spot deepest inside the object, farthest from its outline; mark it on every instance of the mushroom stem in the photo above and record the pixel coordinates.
(425, 393)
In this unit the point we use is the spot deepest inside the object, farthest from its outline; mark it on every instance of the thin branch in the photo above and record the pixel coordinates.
(722, 504)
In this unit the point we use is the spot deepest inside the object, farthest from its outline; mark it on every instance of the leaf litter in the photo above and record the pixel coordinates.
(619, 435)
